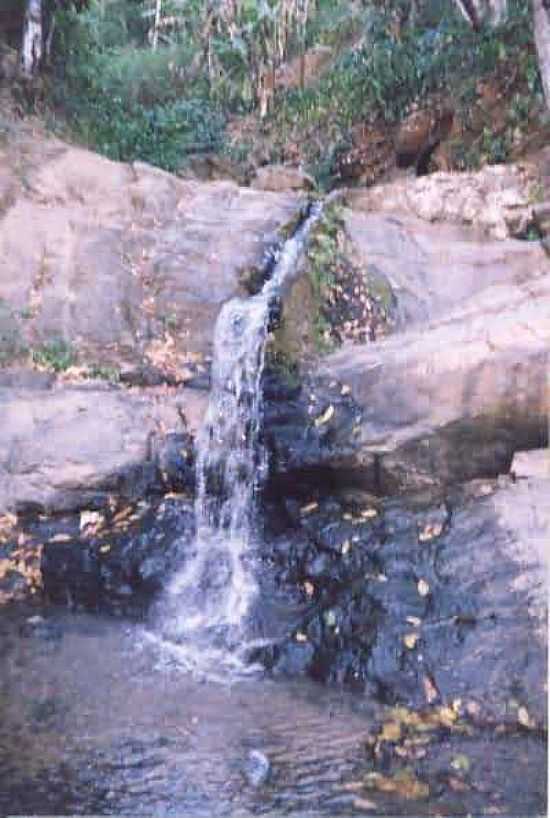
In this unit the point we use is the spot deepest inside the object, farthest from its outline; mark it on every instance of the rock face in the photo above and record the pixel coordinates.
(421, 601)
(121, 277)
(459, 385)
(69, 447)
(126, 263)
(497, 200)
(420, 134)
(279, 178)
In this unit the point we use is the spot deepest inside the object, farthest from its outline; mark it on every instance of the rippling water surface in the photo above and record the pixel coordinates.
(91, 723)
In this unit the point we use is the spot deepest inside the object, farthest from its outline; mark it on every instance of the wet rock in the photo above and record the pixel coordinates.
(294, 659)
(124, 565)
(440, 601)
(38, 627)
(257, 768)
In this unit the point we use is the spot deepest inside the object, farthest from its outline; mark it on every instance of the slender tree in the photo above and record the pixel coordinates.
(541, 25)
(31, 47)
(479, 12)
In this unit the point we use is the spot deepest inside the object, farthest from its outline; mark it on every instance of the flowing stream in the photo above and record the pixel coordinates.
(202, 619)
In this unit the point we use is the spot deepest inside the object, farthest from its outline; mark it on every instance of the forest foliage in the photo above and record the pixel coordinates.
(141, 79)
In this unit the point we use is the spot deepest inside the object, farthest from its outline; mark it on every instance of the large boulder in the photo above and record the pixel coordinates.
(497, 200)
(126, 263)
(455, 400)
(67, 447)
(459, 385)
(431, 268)
(121, 277)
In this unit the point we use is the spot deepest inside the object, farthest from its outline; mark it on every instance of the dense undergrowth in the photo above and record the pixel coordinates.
(129, 101)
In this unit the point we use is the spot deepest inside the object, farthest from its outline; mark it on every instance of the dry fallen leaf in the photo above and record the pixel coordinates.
(368, 513)
(307, 509)
(430, 531)
(410, 640)
(461, 763)
(60, 538)
(404, 783)
(391, 731)
(325, 417)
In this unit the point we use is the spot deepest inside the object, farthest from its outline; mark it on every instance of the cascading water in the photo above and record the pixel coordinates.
(203, 616)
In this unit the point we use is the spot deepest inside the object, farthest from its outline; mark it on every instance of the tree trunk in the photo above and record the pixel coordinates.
(31, 48)
(479, 12)
(156, 24)
(541, 25)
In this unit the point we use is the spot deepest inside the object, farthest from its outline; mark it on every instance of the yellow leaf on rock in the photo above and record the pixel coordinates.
(447, 716)
(325, 417)
(391, 731)
(368, 513)
(461, 763)
(410, 640)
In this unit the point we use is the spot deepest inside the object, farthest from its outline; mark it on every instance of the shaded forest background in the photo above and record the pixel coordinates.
(261, 81)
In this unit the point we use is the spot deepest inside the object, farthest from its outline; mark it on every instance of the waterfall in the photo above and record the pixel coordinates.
(203, 617)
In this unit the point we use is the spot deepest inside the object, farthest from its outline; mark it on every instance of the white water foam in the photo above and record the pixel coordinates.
(202, 618)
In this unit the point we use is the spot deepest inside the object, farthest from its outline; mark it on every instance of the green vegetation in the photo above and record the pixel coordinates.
(382, 79)
(103, 372)
(56, 355)
(133, 87)
(324, 255)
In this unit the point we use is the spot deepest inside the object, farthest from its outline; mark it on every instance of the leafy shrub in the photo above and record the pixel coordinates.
(57, 355)
(382, 78)
(125, 101)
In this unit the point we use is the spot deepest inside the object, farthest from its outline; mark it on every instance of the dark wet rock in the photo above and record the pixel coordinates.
(122, 568)
(294, 659)
(424, 601)
(38, 627)
(257, 768)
